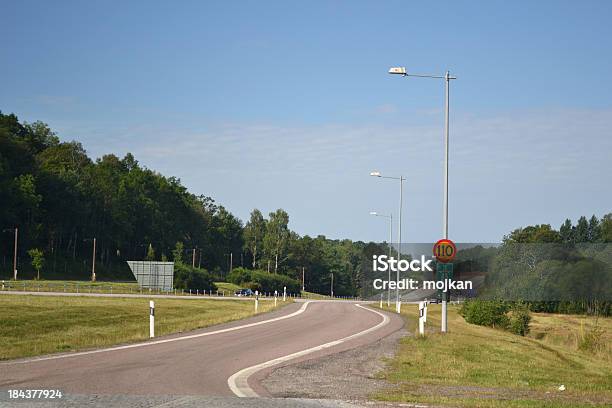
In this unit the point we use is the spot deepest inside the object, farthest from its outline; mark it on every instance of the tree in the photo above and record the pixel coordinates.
(150, 253)
(177, 253)
(277, 235)
(38, 260)
(593, 230)
(582, 230)
(253, 234)
(606, 228)
(566, 231)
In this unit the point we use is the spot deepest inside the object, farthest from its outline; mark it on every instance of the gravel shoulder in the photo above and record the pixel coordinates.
(351, 375)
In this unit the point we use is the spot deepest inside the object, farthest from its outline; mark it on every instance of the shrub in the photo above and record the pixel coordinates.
(263, 281)
(592, 339)
(186, 277)
(520, 319)
(490, 313)
(239, 275)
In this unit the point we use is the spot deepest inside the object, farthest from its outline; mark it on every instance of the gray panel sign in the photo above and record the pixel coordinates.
(153, 275)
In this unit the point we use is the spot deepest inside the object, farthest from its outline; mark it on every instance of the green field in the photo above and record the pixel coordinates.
(34, 325)
(475, 366)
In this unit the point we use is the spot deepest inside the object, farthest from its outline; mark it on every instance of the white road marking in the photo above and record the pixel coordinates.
(152, 343)
(238, 382)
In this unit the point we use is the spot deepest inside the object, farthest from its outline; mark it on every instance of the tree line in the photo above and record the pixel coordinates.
(60, 200)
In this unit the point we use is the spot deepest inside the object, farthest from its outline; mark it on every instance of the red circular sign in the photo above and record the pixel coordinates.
(444, 250)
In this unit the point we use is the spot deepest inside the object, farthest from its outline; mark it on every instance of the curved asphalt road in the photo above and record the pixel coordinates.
(202, 365)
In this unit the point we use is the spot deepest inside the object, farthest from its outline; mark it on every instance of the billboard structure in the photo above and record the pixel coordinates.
(153, 275)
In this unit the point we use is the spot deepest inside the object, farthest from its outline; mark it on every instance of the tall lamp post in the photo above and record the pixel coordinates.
(399, 228)
(390, 218)
(447, 78)
(14, 252)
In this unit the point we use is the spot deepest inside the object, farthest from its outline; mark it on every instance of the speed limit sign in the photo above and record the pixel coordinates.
(444, 250)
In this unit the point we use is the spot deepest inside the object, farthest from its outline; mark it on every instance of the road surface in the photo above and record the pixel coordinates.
(226, 360)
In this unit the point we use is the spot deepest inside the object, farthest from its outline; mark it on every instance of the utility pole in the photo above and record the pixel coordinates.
(15, 256)
(93, 262)
(193, 258)
(231, 261)
(303, 282)
(332, 285)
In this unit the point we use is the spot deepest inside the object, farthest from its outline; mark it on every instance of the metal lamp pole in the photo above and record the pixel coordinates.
(399, 234)
(390, 217)
(447, 78)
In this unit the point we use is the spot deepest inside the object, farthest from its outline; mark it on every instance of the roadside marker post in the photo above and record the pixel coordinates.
(256, 300)
(151, 319)
(275, 297)
(284, 293)
(381, 296)
(422, 314)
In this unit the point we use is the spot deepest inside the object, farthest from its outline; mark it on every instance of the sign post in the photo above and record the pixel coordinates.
(444, 251)
(151, 319)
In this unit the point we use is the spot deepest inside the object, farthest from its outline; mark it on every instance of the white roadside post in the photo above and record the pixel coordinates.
(256, 300)
(275, 297)
(284, 293)
(381, 296)
(151, 319)
(422, 314)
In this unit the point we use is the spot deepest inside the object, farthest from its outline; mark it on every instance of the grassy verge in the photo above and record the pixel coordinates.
(474, 366)
(33, 325)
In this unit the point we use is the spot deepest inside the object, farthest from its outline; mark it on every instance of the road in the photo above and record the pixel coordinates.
(224, 360)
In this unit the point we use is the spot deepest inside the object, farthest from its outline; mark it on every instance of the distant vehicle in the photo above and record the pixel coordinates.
(244, 292)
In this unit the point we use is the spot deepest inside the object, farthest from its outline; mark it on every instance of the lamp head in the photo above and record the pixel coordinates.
(397, 70)
(375, 173)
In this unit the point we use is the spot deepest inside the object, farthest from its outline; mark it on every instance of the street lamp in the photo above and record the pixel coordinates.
(447, 78)
(399, 234)
(15, 252)
(390, 218)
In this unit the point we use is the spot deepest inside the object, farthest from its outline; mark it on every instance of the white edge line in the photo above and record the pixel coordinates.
(151, 343)
(238, 382)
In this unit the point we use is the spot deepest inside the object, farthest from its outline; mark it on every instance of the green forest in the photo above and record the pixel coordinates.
(60, 200)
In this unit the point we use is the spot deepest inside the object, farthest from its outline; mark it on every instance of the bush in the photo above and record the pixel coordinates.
(494, 313)
(490, 313)
(186, 277)
(520, 319)
(263, 281)
(238, 276)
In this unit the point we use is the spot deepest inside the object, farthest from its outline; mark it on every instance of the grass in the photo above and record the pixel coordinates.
(474, 366)
(34, 325)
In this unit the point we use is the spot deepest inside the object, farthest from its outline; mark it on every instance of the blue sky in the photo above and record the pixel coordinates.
(287, 104)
